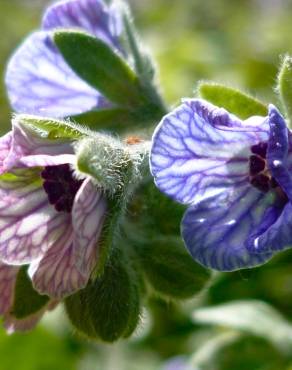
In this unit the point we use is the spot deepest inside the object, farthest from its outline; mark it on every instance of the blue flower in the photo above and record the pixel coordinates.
(236, 177)
(38, 79)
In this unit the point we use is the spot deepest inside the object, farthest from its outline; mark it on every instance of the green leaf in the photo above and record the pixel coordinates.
(26, 300)
(284, 87)
(109, 307)
(100, 66)
(253, 317)
(52, 128)
(234, 101)
(170, 269)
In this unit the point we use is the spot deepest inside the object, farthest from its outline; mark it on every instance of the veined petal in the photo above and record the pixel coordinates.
(56, 273)
(88, 214)
(93, 16)
(277, 153)
(277, 237)
(12, 324)
(29, 225)
(54, 89)
(27, 149)
(5, 144)
(192, 158)
(8, 276)
(218, 231)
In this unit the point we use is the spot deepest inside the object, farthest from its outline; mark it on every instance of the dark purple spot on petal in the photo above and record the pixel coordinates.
(61, 186)
(260, 149)
(261, 182)
(256, 164)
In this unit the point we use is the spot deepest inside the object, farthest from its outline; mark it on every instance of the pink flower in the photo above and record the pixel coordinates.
(49, 219)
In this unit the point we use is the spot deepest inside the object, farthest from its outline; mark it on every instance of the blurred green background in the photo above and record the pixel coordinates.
(239, 43)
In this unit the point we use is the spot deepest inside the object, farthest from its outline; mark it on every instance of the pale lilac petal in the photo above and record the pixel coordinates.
(88, 214)
(193, 158)
(8, 276)
(5, 144)
(12, 324)
(218, 231)
(29, 225)
(56, 274)
(27, 149)
(93, 16)
(40, 82)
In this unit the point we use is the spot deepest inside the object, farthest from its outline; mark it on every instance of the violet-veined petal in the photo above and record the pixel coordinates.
(217, 231)
(88, 214)
(93, 16)
(8, 276)
(277, 153)
(27, 149)
(56, 273)
(5, 144)
(39, 81)
(29, 225)
(192, 160)
(277, 237)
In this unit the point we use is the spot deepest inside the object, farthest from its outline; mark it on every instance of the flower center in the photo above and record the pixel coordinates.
(259, 174)
(60, 186)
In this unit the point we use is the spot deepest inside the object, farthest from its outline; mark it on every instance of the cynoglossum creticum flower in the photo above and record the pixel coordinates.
(236, 177)
(54, 89)
(48, 218)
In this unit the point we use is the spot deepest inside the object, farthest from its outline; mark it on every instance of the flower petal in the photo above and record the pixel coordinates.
(88, 214)
(54, 89)
(218, 231)
(8, 276)
(93, 16)
(56, 273)
(277, 152)
(192, 158)
(277, 237)
(5, 144)
(27, 149)
(29, 225)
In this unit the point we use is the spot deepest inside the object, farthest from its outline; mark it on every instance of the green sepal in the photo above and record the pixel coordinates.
(233, 100)
(109, 307)
(284, 87)
(52, 129)
(27, 300)
(170, 270)
(100, 66)
(106, 160)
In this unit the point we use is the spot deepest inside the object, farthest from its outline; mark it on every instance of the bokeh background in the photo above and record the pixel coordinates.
(239, 43)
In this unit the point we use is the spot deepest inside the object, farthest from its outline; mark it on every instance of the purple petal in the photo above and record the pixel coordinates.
(275, 238)
(218, 231)
(5, 144)
(29, 225)
(192, 158)
(88, 214)
(40, 82)
(12, 324)
(277, 153)
(93, 16)
(27, 149)
(8, 276)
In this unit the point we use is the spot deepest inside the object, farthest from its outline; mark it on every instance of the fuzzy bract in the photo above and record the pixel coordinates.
(236, 178)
